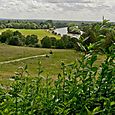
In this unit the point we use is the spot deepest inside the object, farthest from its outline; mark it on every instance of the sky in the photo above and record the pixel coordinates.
(78, 10)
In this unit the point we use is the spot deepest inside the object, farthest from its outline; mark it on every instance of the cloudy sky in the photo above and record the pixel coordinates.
(58, 9)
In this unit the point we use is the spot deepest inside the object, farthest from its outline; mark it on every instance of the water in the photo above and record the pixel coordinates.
(63, 31)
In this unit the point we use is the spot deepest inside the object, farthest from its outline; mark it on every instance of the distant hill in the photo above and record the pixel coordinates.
(57, 23)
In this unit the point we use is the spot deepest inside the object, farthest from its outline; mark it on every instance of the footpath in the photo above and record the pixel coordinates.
(21, 59)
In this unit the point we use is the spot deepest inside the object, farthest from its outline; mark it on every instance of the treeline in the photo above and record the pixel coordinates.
(65, 42)
(96, 36)
(73, 29)
(16, 38)
(20, 24)
(26, 24)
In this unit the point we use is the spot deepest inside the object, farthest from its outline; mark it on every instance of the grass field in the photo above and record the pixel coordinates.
(41, 33)
(50, 65)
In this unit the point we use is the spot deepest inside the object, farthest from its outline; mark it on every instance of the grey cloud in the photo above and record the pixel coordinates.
(65, 1)
(71, 7)
(57, 9)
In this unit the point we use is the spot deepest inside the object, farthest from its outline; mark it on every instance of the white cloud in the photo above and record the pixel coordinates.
(58, 9)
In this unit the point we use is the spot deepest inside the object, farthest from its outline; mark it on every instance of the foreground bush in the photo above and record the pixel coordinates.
(81, 88)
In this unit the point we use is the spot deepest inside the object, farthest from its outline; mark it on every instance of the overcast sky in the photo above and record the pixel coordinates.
(58, 9)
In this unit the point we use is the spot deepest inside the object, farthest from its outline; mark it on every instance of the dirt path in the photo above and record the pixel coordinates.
(21, 59)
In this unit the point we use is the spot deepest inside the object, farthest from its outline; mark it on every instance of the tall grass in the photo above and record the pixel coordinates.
(81, 88)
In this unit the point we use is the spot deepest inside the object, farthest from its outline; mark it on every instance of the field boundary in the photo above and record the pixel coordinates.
(21, 59)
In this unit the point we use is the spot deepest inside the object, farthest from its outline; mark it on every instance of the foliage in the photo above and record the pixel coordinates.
(5, 35)
(60, 44)
(53, 41)
(102, 33)
(17, 39)
(31, 40)
(96, 36)
(46, 42)
(68, 41)
(72, 24)
(14, 40)
(18, 24)
(46, 24)
(74, 30)
(81, 88)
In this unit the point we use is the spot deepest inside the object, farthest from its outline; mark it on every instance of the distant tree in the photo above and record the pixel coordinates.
(2, 26)
(53, 41)
(49, 24)
(46, 42)
(74, 30)
(17, 33)
(5, 35)
(68, 43)
(20, 36)
(14, 40)
(72, 24)
(45, 26)
(60, 44)
(60, 24)
(31, 40)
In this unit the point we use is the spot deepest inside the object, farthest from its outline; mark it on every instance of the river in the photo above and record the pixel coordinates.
(63, 31)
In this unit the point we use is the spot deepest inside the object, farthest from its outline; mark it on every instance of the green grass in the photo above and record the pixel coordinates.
(76, 91)
(51, 65)
(41, 33)
(8, 52)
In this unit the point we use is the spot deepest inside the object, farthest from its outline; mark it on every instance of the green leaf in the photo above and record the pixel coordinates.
(96, 110)
(89, 112)
(1, 113)
(94, 69)
(112, 103)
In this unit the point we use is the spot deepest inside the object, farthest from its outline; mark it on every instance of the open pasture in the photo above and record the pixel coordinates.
(51, 65)
(41, 33)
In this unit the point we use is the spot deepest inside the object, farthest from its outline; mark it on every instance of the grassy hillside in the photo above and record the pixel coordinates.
(51, 65)
(41, 33)
(8, 52)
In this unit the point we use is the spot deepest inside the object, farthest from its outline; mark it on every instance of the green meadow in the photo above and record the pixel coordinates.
(51, 64)
(41, 33)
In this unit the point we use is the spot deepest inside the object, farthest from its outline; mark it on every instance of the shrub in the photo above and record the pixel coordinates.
(101, 32)
(14, 40)
(46, 42)
(31, 40)
(53, 41)
(81, 88)
(68, 41)
(6, 35)
(60, 44)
